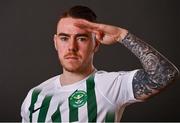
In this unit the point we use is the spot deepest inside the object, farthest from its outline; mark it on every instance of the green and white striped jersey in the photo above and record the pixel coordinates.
(100, 97)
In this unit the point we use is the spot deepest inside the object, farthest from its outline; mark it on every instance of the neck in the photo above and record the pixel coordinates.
(72, 77)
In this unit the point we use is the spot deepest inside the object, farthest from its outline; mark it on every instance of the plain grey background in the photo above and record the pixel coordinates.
(28, 57)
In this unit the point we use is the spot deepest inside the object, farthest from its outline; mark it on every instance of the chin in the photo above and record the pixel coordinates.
(72, 68)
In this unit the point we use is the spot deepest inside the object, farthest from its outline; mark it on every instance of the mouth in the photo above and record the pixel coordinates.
(71, 57)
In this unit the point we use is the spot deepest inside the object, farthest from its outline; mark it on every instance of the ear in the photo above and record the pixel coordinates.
(55, 41)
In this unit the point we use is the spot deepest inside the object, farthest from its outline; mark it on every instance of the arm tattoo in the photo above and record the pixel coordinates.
(158, 72)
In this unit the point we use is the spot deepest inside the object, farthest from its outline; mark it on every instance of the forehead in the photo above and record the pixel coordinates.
(66, 25)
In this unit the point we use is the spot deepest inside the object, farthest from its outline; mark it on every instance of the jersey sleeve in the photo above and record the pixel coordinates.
(116, 87)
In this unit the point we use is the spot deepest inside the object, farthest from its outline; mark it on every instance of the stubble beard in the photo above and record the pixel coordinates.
(70, 68)
(76, 67)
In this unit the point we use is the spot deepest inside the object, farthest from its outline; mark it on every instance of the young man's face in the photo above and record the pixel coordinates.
(75, 46)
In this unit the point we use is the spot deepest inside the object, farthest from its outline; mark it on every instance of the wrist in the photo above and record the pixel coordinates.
(123, 33)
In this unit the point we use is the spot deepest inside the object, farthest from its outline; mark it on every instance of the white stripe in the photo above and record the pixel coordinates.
(53, 107)
(82, 112)
(37, 105)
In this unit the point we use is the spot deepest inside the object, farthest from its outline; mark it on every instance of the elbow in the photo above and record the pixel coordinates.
(172, 74)
(176, 74)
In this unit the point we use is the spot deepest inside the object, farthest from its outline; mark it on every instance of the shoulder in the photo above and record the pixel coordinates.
(47, 86)
(111, 76)
(104, 79)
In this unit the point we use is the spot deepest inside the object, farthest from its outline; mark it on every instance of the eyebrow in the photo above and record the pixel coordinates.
(77, 35)
(82, 34)
(63, 34)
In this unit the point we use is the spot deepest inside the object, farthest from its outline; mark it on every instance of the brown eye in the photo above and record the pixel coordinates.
(82, 39)
(64, 38)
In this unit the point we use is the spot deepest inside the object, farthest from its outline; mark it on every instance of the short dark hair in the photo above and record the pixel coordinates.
(81, 12)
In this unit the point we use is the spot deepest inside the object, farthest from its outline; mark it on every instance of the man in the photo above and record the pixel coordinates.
(84, 94)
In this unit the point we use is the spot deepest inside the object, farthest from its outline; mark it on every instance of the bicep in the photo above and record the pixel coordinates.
(143, 86)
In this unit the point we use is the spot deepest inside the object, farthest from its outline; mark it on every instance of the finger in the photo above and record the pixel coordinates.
(99, 35)
(90, 26)
(86, 24)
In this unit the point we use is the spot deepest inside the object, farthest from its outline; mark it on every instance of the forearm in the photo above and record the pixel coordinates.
(158, 71)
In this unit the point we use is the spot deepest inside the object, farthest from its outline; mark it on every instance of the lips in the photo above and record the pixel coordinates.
(71, 57)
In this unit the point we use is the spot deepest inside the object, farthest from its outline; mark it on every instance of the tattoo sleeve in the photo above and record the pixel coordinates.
(157, 71)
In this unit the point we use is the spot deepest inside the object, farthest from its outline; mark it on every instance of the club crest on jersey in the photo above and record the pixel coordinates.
(78, 98)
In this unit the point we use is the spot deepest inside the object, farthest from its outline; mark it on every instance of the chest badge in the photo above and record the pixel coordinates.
(78, 98)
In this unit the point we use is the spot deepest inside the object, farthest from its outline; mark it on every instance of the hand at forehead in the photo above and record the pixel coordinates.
(96, 27)
(87, 25)
(106, 34)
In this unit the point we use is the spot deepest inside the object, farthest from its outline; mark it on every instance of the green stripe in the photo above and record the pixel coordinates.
(34, 97)
(56, 117)
(44, 109)
(73, 112)
(110, 117)
(91, 99)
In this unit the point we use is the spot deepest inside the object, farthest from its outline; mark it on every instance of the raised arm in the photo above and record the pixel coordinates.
(157, 72)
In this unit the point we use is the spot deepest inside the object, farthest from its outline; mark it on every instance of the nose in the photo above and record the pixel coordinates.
(73, 46)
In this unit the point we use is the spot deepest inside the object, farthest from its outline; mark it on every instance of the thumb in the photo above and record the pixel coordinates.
(99, 35)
